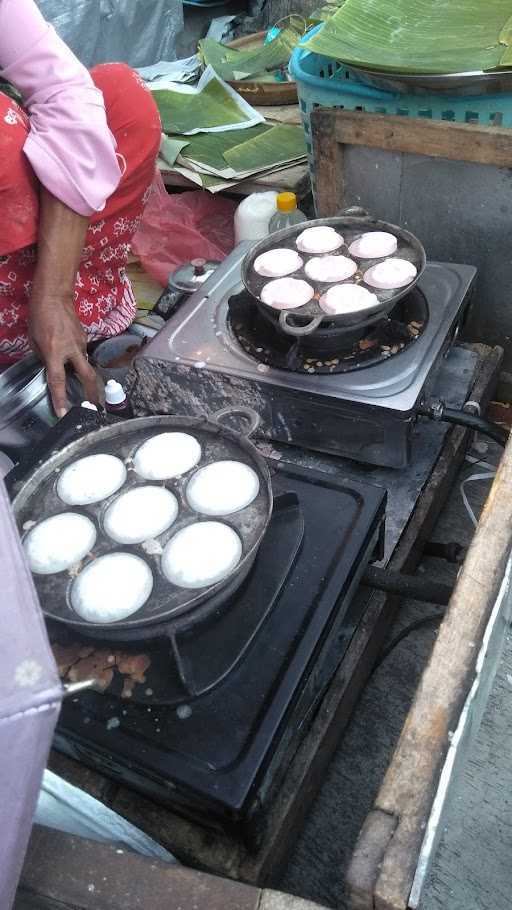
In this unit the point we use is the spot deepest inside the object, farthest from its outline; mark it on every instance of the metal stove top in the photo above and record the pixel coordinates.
(209, 720)
(199, 337)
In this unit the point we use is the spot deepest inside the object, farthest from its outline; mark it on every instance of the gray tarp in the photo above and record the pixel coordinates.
(138, 32)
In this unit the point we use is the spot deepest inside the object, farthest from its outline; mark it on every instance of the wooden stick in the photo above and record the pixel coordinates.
(408, 790)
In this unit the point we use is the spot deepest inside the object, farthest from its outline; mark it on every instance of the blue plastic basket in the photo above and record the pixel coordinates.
(324, 82)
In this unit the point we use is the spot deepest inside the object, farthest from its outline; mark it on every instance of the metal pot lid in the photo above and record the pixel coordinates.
(190, 276)
(21, 385)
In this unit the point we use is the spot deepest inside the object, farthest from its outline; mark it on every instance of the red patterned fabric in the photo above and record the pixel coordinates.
(104, 299)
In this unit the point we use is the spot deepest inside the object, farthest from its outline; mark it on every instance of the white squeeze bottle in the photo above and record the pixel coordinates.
(287, 213)
(253, 215)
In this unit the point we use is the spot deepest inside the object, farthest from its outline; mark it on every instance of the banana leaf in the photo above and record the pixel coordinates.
(279, 144)
(419, 36)
(182, 112)
(210, 106)
(209, 148)
(171, 146)
(242, 153)
(233, 64)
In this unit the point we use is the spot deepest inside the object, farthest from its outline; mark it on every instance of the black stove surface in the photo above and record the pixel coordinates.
(260, 665)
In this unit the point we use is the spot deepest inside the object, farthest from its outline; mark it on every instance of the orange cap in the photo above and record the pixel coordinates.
(286, 202)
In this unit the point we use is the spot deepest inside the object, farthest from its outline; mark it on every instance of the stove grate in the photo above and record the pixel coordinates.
(329, 350)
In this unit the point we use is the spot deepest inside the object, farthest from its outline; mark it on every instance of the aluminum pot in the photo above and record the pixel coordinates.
(26, 411)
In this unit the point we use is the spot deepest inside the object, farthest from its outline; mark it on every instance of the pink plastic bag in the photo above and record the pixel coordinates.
(180, 227)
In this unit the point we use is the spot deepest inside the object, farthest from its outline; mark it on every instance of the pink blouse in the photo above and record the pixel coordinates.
(69, 146)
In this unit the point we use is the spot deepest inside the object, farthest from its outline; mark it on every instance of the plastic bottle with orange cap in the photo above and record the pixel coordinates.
(287, 213)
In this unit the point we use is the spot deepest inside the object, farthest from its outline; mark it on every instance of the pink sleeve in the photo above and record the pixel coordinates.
(69, 146)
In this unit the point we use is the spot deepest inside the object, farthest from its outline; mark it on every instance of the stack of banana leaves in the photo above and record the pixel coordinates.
(418, 37)
(215, 138)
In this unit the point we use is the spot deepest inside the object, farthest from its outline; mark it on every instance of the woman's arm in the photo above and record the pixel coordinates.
(69, 146)
(54, 329)
(73, 154)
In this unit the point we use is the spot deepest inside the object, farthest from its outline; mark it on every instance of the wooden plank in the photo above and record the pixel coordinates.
(283, 113)
(80, 874)
(421, 136)
(216, 851)
(384, 882)
(328, 168)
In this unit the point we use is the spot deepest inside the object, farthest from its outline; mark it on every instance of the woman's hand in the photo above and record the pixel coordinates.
(58, 338)
(54, 328)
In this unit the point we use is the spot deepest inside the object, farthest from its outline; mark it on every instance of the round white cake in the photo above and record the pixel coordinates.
(222, 488)
(374, 245)
(140, 514)
(111, 588)
(320, 239)
(277, 263)
(330, 268)
(201, 554)
(287, 293)
(167, 455)
(347, 298)
(391, 274)
(91, 479)
(59, 542)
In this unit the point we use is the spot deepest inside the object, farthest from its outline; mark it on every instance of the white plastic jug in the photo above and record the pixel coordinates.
(253, 215)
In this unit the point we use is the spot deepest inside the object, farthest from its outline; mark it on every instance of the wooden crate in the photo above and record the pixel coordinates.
(334, 129)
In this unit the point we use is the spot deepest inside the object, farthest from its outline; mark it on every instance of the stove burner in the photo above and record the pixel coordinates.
(330, 349)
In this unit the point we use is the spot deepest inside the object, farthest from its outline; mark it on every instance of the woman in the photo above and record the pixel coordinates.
(76, 167)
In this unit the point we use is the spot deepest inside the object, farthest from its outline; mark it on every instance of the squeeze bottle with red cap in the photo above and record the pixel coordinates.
(116, 401)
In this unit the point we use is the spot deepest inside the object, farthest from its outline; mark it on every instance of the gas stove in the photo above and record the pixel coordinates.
(206, 358)
(208, 719)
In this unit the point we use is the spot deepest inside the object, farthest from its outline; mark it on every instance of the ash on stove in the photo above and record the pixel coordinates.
(330, 349)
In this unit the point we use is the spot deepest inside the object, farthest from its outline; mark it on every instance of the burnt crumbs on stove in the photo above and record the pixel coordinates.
(78, 662)
(331, 348)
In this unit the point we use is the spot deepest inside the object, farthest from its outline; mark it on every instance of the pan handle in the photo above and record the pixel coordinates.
(355, 211)
(298, 330)
(239, 410)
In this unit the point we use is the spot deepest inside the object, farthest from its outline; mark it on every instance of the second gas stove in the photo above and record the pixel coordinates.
(200, 363)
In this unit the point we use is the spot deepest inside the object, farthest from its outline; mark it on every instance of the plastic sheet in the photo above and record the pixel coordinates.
(69, 809)
(137, 32)
(180, 227)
